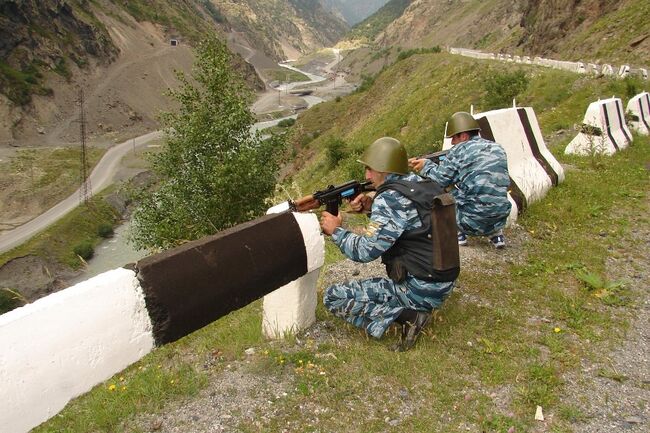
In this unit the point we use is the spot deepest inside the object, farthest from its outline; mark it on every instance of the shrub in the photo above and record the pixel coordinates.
(105, 230)
(502, 87)
(84, 250)
(366, 82)
(335, 151)
(285, 123)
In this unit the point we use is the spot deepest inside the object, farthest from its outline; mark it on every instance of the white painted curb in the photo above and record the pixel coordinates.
(62, 345)
(292, 307)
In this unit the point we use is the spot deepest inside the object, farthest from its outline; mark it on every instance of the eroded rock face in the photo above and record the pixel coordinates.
(48, 32)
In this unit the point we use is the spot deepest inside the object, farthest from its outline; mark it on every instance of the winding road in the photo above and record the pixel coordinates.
(104, 172)
(101, 177)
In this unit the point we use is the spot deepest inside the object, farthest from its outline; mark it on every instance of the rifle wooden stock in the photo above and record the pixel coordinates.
(331, 197)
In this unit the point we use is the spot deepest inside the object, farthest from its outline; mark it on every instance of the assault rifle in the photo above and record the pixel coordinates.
(436, 157)
(331, 197)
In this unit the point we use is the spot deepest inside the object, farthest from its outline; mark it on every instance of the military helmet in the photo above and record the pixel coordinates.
(461, 122)
(387, 155)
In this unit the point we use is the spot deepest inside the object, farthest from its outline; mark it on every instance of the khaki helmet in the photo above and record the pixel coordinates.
(461, 122)
(386, 155)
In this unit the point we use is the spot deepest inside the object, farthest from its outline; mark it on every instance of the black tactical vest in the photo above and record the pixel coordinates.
(429, 252)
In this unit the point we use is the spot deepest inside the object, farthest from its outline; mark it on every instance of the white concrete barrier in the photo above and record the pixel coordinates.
(292, 307)
(607, 70)
(623, 71)
(532, 167)
(62, 345)
(639, 108)
(603, 130)
(593, 68)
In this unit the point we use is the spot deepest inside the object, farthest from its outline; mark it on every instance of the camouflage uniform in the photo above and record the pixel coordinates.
(374, 304)
(478, 168)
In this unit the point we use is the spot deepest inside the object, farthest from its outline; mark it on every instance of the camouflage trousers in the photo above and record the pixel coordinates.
(477, 224)
(375, 303)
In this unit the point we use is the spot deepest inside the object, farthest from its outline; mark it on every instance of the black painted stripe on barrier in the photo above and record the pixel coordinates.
(515, 192)
(608, 126)
(619, 113)
(534, 146)
(647, 99)
(196, 283)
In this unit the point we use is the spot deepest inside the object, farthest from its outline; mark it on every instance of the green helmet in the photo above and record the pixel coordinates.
(386, 155)
(461, 122)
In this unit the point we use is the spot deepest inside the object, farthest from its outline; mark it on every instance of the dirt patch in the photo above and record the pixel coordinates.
(34, 277)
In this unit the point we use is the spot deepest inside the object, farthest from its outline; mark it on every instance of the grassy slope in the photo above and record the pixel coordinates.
(492, 359)
(370, 27)
(609, 38)
(412, 100)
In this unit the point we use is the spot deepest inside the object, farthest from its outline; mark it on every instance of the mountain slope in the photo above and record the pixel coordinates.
(369, 28)
(353, 11)
(52, 48)
(589, 30)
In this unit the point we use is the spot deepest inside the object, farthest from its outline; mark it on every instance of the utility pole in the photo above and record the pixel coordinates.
(85, 190)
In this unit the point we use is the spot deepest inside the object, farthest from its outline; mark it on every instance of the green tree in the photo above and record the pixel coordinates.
(215, 172)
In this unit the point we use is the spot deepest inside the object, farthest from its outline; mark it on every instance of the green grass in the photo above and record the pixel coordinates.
(45, 175)
(488, 360)
(58, 241)
(285, 75)
(501, 343)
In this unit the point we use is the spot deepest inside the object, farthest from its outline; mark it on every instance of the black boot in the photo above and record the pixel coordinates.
(412, 322)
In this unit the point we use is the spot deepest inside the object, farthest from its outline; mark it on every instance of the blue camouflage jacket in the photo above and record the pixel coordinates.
(391, 215)
(478, 170)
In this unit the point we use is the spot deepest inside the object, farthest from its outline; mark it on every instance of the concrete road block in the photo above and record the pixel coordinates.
(292, 307)
(62, 345)
(639, 108)
(603, 130)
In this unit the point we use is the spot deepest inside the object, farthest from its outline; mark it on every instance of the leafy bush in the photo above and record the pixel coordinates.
(105, 230)
(214, 172)
(335, 151)
(408, 53)
(366, 82)
(84, 250)
(502, 87)
(285, 123)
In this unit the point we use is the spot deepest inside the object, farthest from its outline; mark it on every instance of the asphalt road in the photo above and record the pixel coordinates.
(101, 177)
(104, 172)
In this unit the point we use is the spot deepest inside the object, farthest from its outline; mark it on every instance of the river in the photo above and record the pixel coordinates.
(117, 252)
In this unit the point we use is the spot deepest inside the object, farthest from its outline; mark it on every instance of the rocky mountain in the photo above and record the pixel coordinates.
(589, 30)
(52, 48)
(353, 11)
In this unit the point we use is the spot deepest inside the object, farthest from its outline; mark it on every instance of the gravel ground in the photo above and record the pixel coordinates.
(617, 401)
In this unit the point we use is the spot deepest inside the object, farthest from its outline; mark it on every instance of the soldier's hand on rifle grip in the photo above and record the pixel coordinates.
(329, 222)
(416, 164)
(361, 203)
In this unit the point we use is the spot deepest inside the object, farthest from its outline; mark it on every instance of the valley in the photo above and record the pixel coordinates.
(547, 335)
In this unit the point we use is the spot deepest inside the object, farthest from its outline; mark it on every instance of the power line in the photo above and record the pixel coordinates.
(85, 190)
